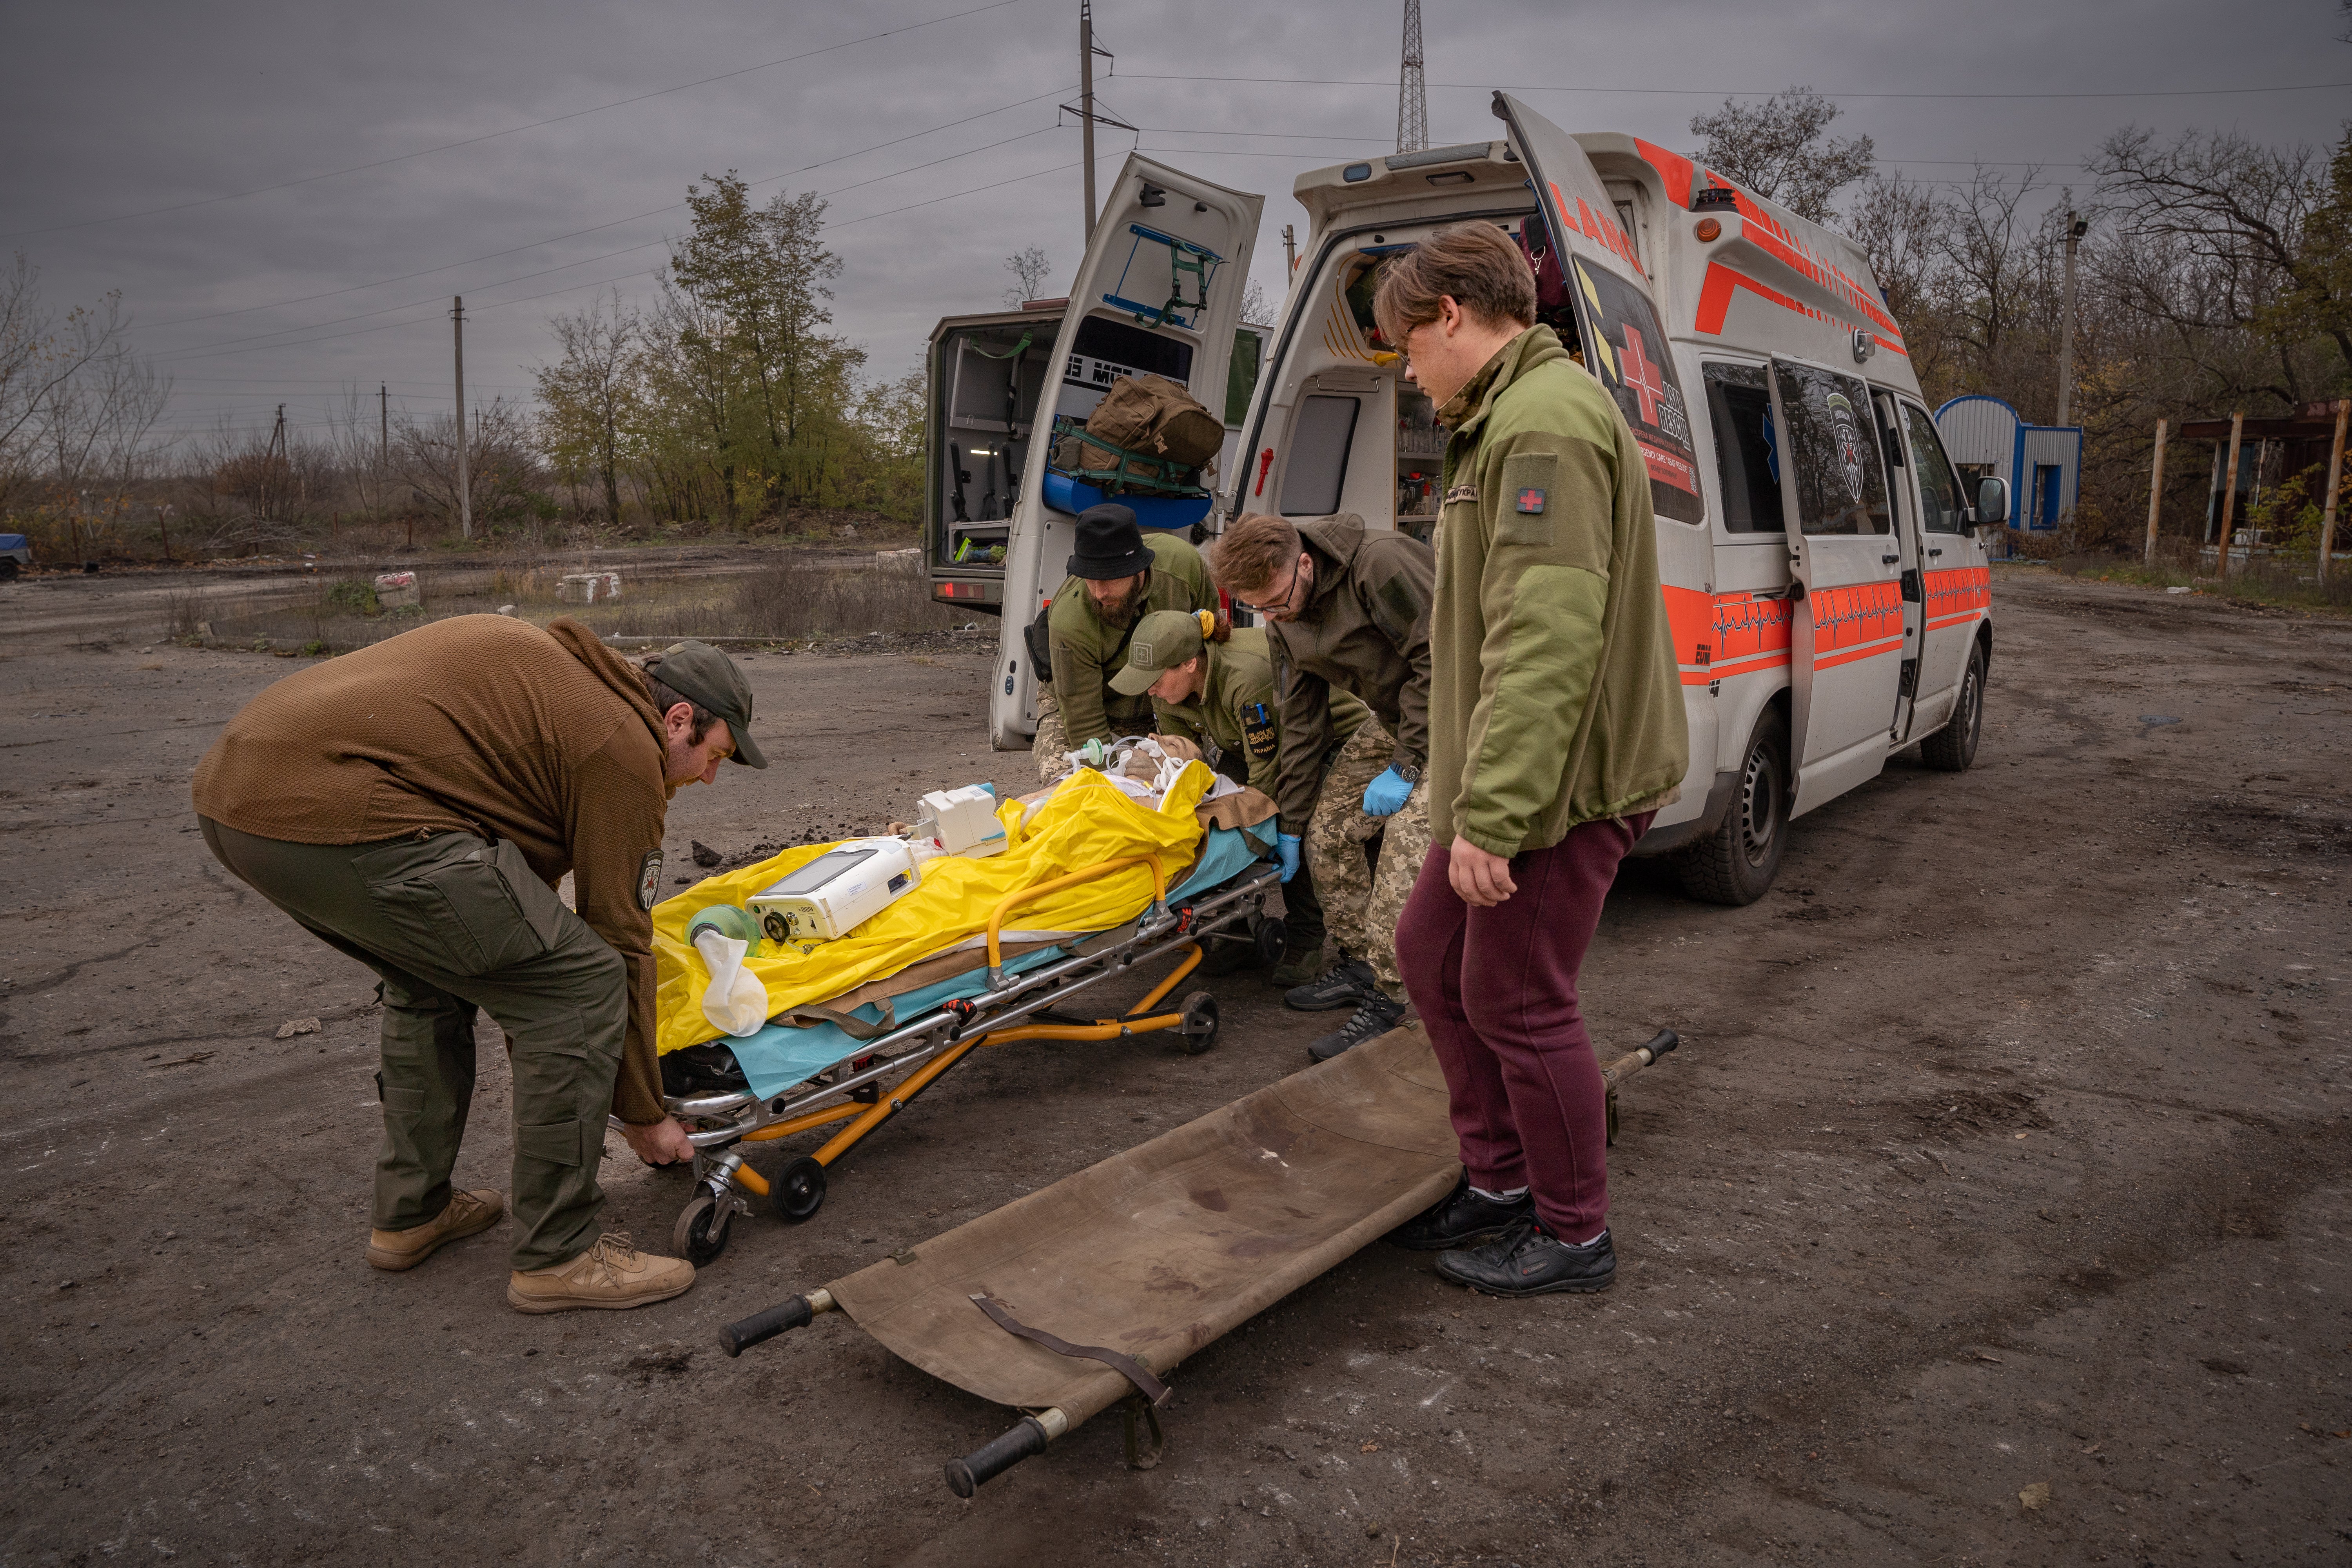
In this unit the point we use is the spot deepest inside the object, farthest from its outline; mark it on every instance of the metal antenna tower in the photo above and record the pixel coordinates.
(1413, 99)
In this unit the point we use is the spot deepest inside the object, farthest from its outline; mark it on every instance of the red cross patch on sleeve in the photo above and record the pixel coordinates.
(1531, 500)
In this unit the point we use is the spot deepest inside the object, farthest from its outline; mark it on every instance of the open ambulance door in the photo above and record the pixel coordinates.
(1848, 635)
(1159, 291)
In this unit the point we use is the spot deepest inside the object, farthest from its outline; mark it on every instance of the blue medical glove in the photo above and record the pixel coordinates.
(1385, 796)
(1286, 854)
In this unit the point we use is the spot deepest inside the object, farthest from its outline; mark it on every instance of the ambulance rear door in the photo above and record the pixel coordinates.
(1624, 345)
(1848, 638)
(1159, 292)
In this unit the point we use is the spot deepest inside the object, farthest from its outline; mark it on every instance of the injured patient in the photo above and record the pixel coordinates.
(805, 938)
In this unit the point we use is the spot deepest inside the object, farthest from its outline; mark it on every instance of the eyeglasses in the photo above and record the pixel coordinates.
(1292, 593)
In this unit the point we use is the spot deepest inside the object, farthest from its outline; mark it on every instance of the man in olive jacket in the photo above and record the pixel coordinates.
(1556, 733)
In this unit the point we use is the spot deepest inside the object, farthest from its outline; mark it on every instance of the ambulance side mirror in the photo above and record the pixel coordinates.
(1992, 502)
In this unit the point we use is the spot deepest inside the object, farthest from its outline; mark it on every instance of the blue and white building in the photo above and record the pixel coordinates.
(1987, 438)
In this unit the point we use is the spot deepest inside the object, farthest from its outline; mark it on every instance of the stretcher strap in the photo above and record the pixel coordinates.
(1126, 1366)
(849, 1024)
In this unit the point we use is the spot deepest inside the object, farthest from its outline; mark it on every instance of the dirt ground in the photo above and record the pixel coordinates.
(2007, 1151)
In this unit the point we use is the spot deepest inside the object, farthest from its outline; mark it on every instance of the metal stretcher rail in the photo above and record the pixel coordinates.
(922, 1050)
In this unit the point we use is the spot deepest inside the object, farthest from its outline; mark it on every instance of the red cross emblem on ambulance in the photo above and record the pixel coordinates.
(1642, 375)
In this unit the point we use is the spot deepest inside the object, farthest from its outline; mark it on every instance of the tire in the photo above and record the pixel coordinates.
(1736, 862)
(799, 1192)
(700, 1233)
(1198, 1032)
(1952, 748)
(1273, 938)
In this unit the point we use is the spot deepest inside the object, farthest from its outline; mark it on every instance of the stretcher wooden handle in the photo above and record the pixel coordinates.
(1011, 901)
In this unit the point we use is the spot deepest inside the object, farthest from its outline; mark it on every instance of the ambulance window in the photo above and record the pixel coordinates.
(1940, 506)
(1746, 458)
(1105, 350)
(1833, 441)
(1632, 358)
(1317, 466)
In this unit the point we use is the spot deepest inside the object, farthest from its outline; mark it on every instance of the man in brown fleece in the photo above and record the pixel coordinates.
(413, 805)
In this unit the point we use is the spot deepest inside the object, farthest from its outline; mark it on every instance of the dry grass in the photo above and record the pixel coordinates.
(788, 600)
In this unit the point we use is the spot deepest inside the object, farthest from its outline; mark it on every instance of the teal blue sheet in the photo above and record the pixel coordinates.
(781, 1055)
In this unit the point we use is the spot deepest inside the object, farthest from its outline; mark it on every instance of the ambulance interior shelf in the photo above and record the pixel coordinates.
(994, 379)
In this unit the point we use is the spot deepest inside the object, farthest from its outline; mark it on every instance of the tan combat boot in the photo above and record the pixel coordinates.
(611, 1274)
(467, 1213)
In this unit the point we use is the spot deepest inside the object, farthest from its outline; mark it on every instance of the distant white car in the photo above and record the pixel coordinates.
(16, 553)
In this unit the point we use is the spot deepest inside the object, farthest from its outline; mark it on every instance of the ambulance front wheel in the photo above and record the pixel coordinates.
(1735, 863)
(799, 1192)
(1952, 748)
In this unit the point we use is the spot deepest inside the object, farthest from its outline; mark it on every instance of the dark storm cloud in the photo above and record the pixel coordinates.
(113, 111)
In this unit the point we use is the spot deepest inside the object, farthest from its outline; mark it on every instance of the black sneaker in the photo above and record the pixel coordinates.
(1375, 1015)
(1527, 1260)
(1461, 1219)
(1344, 984)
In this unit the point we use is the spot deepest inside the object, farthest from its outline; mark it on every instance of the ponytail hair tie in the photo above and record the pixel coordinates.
(1208, 619)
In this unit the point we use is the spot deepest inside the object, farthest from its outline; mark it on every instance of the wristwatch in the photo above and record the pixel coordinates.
(1409, 772)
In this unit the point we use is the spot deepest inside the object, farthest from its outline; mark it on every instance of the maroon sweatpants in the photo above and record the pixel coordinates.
(1496, 991)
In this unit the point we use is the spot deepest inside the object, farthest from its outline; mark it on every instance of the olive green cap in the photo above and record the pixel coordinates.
(711, 681)
(1163, 640)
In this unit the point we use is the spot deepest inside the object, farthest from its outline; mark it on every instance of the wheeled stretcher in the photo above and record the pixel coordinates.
(850, 1065)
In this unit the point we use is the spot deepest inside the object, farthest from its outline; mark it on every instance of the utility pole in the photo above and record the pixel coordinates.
(1087, 105)
(382, 424)
(277, 435)
(465, 495)
(1084, 108)
(2075, 228)
(1289, 251)
(1412, 99)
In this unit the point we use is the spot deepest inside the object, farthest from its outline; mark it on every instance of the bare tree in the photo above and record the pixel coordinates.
(1030, 269)
(1258, 310)
(1781, 150)
(503, 464)
(63, 386)
(587, 397)
(2241, 211)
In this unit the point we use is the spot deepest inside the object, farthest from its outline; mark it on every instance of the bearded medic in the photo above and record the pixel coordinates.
(1117, 575)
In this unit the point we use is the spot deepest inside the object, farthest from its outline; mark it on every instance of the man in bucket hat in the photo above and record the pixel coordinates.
(1117, 575)
(413, 805)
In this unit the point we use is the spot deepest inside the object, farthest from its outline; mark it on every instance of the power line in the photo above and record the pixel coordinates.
(1732, 92)
(615, 223)
(195, 350)
(509, 131)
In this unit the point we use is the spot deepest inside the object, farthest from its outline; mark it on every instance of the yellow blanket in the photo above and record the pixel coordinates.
(1089, 821)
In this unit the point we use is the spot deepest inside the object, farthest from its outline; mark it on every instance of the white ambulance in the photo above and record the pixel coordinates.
(1823, 577)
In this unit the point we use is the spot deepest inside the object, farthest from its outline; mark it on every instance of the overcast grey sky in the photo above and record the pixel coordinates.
(334, 279)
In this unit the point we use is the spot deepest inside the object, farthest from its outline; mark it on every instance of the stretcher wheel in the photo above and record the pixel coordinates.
(1272, 935)
(799, 1192)
(700, 1233)
(1199, 1029)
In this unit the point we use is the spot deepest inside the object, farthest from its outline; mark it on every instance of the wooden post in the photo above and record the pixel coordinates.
(2334, 478)
(2230, 496)
(2155, 491)
(163, 527)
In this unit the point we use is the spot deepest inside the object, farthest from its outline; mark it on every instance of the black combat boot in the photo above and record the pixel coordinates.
(1375, 1015)
(1461, 1219)
(1344, 984)
(1527, 1260)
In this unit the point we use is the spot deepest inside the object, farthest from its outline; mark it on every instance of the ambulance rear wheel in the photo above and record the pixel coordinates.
(700, 1233)
(799, 1192)
(1952, 748)
(1198, 1030)
(1735, 863)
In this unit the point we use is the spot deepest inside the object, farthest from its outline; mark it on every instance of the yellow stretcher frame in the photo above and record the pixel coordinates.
(700, 1232)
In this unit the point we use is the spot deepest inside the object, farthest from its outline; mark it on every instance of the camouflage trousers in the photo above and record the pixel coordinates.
(1050, 749)
(1360, 905)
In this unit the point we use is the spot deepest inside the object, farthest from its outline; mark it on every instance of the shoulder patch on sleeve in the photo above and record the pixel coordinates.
(649, 871)
(1461, 492)
(1258, 733)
